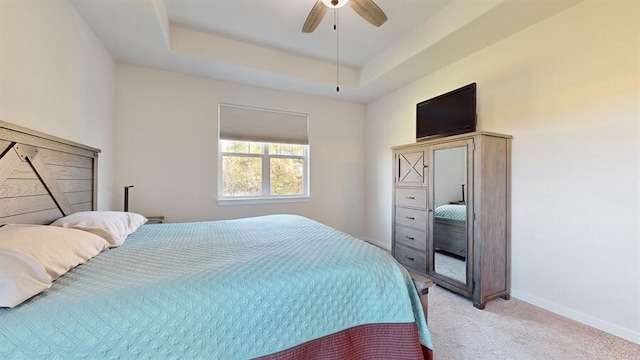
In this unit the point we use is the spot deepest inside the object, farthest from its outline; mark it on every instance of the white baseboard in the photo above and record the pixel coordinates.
(376, 243)
(627, 334)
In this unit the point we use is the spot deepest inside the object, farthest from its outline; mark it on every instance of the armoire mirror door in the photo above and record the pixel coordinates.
(449, 203)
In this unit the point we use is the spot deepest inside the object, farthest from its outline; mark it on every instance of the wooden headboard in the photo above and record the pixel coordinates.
(42, 177)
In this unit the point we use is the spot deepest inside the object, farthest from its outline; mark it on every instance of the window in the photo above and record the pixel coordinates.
(264, 154)
(264, 170)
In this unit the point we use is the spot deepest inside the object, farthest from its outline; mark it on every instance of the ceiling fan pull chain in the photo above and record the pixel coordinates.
(336, 27)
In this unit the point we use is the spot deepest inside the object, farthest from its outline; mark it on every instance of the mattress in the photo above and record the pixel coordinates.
(452, 212)
(231, 289)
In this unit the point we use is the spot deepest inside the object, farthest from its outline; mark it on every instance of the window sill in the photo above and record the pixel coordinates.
(257, 201)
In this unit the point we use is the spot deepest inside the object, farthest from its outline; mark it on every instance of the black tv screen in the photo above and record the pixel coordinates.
(447, 114)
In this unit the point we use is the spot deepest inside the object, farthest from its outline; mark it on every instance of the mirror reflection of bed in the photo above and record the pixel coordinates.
(450, 241)
(450, 215)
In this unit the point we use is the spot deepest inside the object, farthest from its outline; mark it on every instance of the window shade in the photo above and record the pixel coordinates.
(248, 124)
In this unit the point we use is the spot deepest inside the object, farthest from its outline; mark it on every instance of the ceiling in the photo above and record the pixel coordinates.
(277, 24)
(260, 42)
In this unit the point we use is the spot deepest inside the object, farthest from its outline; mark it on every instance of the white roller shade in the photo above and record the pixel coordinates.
(250, 124)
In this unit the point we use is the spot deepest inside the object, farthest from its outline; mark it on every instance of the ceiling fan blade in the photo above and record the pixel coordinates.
(314, 18)
(369, 11)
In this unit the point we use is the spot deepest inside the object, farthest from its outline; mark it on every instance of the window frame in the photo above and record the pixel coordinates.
(266, 157)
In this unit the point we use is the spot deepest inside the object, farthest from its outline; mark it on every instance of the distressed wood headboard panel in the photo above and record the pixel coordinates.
(42, 177)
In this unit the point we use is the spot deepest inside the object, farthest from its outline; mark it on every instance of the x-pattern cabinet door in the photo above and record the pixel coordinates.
(411, 167)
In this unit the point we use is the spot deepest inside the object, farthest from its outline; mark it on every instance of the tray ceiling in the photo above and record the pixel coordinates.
(260, 42)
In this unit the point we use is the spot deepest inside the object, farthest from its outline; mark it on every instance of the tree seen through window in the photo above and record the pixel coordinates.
(253, 169)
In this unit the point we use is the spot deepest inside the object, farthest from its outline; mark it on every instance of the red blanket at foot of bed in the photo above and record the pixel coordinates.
(371, 341)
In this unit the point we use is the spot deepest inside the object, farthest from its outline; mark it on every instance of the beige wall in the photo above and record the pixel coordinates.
(56, 77)
(166, 136)
(567, 89)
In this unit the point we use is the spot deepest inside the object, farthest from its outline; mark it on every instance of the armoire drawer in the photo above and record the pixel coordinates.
(411, 237)
(412, 258)
(412, 218)
(411, 197)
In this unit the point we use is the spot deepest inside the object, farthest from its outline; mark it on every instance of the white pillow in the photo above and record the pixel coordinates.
(32, 256)
(113, 226)
(20, 278)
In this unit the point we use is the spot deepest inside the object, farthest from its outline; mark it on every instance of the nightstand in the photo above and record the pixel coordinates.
(154, 220)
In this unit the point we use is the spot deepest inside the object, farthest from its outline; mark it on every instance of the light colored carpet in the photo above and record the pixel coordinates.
(450, 266)
(513, 329)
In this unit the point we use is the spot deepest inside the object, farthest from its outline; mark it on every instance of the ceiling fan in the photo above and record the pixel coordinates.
(365, 8)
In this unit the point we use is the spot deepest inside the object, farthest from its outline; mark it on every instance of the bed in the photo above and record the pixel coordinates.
(271, 287)
(449, 230)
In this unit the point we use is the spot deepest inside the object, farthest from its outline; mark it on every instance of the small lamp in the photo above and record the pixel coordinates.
(126, 197)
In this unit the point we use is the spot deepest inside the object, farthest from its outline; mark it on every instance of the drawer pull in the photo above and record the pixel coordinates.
(410, 197)
(409, 237)
(410, 217)
(410, 258)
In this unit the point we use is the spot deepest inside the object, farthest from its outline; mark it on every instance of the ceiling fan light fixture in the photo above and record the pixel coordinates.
(334, 4)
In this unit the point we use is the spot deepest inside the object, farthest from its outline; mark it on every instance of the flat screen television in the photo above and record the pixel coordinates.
(448, 114)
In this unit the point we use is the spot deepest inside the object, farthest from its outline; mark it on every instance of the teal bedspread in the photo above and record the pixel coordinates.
(231, 289)
(452, 212)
